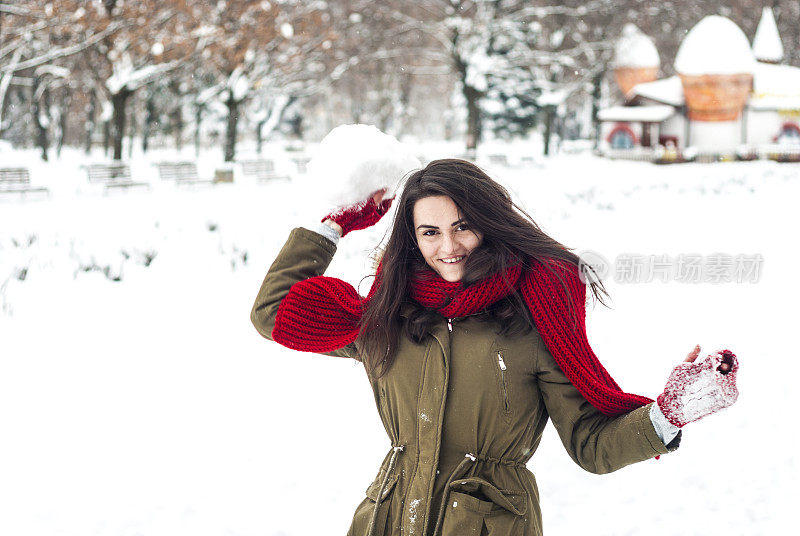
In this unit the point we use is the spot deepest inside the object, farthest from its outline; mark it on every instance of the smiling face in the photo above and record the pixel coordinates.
(443, 237)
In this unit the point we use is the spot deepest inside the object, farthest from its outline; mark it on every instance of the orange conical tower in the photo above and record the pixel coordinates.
(635, 59)
(715, 64)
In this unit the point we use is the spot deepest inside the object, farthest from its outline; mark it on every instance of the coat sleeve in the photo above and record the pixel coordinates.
(305, 254)
(597, 443)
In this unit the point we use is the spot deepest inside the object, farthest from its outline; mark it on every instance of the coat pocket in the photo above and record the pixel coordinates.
(365, 510)
(477, 507)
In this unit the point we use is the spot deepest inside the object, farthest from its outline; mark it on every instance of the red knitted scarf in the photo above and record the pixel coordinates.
(321, 314)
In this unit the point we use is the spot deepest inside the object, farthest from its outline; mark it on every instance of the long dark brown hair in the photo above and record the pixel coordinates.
(509, 236)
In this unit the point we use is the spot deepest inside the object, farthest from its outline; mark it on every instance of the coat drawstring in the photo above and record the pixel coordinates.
(454, 475)
(389, 469)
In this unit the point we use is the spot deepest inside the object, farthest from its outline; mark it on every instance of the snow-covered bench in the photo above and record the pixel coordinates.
(498, 159)
(18, 181)
(116, 175)
(180, 172)
(262, 170)
(301, 162)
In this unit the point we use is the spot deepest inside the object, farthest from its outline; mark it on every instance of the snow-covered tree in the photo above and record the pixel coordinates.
(512, 58)
(155, 39)
(36, 40)
(268, 53)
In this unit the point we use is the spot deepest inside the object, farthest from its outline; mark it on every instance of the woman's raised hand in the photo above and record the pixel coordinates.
(360, 215)
(695, 390)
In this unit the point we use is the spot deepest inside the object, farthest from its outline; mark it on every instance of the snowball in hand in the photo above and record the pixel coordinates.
(353, 161)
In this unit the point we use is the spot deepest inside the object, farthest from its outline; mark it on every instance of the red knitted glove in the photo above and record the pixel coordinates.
(695, 390)
(361, 215)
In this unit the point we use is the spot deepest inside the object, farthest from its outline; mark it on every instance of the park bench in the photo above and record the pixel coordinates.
(180, 173)
(498, 159)
(301, 162)
(17, 180)
(262, 170)
(116, 175)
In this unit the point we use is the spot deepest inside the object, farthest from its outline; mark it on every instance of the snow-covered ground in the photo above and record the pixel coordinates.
(137, 399)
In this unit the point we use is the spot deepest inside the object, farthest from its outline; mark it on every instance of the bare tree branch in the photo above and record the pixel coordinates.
(546, 11)
(66, 51)
(5, 81)
(15, 10)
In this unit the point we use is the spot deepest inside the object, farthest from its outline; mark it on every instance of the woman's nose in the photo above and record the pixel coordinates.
(448, 243)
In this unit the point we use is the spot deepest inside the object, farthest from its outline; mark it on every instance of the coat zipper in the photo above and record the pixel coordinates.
(450, 325)
(503, 367)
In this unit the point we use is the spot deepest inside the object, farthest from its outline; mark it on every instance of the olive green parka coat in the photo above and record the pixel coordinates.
(464, 412)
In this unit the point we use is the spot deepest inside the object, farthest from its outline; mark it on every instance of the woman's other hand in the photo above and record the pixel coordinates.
(695, 390)
(360, 215)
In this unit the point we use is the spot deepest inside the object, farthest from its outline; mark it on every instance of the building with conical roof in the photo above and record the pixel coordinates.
(636, 59)
(767, 45)
(728, 97)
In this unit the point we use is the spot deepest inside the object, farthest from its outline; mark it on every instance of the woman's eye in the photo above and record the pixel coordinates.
(429, 232)
(463, 227)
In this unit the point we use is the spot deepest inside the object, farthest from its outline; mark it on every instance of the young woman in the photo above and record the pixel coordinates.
(473, 336)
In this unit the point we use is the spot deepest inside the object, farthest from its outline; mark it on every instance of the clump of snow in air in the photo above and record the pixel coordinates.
(716, 45)
(353, 161)
(635, 49)
(767, 44)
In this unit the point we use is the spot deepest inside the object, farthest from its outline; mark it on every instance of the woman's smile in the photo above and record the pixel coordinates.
(454, 260)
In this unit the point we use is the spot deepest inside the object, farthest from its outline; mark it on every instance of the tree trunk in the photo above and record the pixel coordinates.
(106, 137)
(149, 121)
(230, 131)
(176, 122)
(90, 121)
(62, 120)
(277, 115)
(259, 137)
(296, 126)
(118, 101)
(133, 126)
(596, 95)
(41, 110)
(198, 116)
(549, 112)
(177, 126)
(406, 85)
(473, 97)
